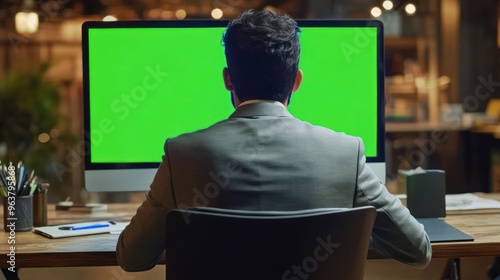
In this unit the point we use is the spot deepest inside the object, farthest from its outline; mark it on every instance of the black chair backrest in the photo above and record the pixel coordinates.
(218, 244)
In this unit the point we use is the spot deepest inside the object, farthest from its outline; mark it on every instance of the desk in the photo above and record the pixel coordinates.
(482, 225)
(34, 250)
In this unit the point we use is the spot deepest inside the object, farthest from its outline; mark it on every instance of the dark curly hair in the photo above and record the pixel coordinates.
(262, 53)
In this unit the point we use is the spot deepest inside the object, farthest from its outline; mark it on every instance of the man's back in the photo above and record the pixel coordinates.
(262, 158)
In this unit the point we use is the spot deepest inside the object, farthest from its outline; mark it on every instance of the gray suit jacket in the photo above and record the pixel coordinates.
(262, 158)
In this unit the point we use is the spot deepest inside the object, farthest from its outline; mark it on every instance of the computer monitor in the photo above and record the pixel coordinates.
(146, 81)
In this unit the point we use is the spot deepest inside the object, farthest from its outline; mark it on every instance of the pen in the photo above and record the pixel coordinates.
(3, 177)
(33, 187)
(80, 227)
(31, 176)
(20, 177)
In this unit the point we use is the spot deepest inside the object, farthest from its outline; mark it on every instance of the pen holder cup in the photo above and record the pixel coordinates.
(18, 213)
(40, 209)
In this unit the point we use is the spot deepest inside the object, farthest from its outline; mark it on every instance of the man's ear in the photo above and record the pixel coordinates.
(227, 79)
(298, 81)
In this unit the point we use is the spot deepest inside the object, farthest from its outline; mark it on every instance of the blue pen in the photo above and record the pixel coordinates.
(80, 227)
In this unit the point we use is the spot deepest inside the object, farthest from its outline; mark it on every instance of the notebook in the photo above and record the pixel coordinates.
(439, 231)
(56, 232)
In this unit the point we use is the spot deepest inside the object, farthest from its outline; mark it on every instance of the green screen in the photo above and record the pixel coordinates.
(339, 88)
(150, 84)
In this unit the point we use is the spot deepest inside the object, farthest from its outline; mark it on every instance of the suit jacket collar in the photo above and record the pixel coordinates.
(260, 109)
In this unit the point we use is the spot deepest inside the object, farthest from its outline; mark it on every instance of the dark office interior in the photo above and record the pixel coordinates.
(442, 81)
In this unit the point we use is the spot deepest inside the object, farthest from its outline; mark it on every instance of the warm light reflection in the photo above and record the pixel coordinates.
(154, 13)
(44, 137)
(109, 18)
(26, 22)
(376, 12)
(388, 5)
(410, 9)
(167, 14)
(217, 13)
(180, 14)
(54, 133)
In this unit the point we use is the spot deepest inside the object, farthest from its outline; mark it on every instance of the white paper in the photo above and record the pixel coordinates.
(55, 232)
(418, 170)
(468, 201)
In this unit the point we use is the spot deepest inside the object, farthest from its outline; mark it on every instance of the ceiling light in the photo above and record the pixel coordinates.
(376, 12)
(388, 5)
(410, 9)
(26, 22)
(217, 13)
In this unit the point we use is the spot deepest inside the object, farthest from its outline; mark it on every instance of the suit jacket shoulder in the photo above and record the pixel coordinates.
(263, 158)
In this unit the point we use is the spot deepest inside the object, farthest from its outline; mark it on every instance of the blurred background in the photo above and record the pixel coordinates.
(442, 90)
(442, 71)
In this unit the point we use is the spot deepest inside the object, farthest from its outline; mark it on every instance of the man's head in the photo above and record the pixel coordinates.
(262, 53)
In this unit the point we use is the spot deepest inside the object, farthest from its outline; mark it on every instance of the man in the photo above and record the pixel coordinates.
(262, 158)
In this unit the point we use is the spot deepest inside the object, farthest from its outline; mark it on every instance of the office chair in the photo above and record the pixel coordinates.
(219, 244)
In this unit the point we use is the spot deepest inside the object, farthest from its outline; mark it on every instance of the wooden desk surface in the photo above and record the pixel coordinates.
(483, 225)
(33, 250)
